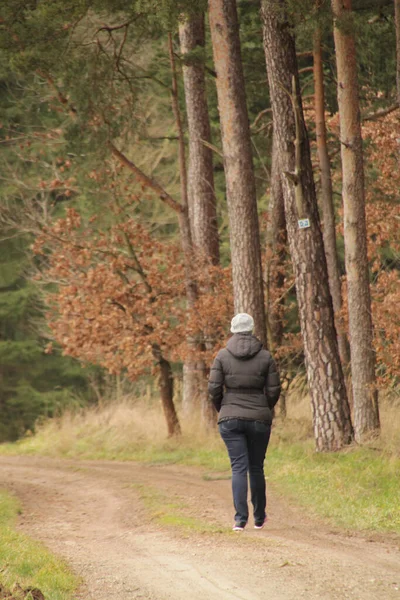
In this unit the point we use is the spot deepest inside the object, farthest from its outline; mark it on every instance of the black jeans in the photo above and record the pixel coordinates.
(247, 443)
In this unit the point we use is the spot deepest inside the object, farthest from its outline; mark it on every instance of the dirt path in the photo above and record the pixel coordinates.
(91, 513)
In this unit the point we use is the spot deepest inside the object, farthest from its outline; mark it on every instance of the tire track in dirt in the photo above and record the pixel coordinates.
(90, 512)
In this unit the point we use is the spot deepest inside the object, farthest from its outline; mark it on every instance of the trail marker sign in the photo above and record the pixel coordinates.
(304, 223)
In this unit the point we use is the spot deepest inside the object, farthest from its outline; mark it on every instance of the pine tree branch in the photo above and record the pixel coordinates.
(145, 180)
(295, 176)
(110, 28)
(381, 112)
(212, 147)
(307, 54)
(268, 125)
(285, 293)
(60, 96)
(306, 70)
(210, 71)
(259, 116)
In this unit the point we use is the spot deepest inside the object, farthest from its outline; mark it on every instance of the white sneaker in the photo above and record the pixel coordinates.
(260, 525)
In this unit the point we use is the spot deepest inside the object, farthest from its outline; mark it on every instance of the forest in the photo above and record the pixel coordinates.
(165, 165)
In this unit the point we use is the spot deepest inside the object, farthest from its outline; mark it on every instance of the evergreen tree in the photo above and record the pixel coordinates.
(32, 383)
(365, 397)
(240, 182)
(328, 209)
(331, 413)
(80, 78)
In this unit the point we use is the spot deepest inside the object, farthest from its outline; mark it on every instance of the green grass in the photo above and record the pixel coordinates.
(173, 512)
(28, 563)
(356, 489)
(102, 446)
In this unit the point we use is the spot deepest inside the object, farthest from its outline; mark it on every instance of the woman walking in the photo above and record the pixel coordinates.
(244, 386)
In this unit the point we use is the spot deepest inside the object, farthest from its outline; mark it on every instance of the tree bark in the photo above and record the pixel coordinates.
(184, 222)
(166, 385)
(276, 253)
(238, 163)
(201, 193)
(331, 413)
(397, 25)
(365, 396)
(194, 389)
(328, 210)
(202, 205)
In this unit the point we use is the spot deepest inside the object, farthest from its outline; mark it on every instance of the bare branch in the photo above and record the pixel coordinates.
(381, 112)
(212, 147)
(264, 127)
(306, 70)
(210, 71)
(60, 96)
(139, 269)
(110, 28)
(259, 116)
(304, 54)
(145, 180)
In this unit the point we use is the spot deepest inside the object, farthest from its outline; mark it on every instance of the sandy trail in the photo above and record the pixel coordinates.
(91, 513)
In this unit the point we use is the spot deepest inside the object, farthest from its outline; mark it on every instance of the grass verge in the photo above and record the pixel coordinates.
(358, 489)
(173, 512)
(28, 563)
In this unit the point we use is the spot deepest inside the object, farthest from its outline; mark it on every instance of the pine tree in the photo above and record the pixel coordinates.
(328, 210)
(32, 384)
(365, 397)
(331, 414)
(240, 183)
(276, 253)
(201, 192)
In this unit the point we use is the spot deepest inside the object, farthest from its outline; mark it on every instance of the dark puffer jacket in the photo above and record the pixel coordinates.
(244, 382)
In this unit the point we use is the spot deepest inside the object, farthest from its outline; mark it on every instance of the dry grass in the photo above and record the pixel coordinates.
(358, 489)
(132, 429)
(390, 426)
(127, 430)
(297, 427)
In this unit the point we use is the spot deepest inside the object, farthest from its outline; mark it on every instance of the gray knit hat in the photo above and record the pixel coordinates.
(242, 322)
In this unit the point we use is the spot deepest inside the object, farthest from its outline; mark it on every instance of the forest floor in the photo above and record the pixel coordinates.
(134, 531)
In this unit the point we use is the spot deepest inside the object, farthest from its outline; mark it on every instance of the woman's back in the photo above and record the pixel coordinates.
(243, 380)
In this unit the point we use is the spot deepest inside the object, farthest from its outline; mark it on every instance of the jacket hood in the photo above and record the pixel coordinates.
(244, 346)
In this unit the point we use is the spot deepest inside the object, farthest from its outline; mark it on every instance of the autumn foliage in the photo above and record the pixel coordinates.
(382, 151)
(383, 223)
(121, 292)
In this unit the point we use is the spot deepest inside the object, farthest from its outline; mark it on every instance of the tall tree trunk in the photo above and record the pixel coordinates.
(365, 396)
(201, 193)
(194, 393)
(238, 163)
(202, 205)
(397, 24)
(184, 223)
(331, 413)
(166, 385)
(276, 253)
(328, 210)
